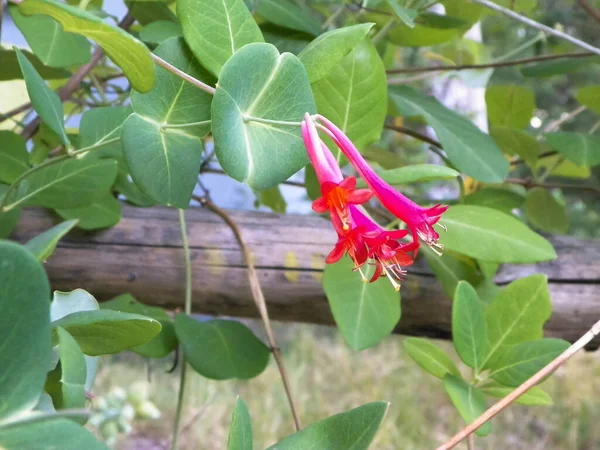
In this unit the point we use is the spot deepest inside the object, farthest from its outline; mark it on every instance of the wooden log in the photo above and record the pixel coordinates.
(143, 256)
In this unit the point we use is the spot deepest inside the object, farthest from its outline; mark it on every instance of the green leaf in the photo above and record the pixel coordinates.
(287, 14)
(285, 40)
(469, 402)
(99, 125)
(365, 313)
(49, 42)
(509, 106)
(534, 396)
(221, 349)
(521, 362)
(490, 235)
(441, 21)
(13, 156)
(106, 332)
(164, 162)
(132, 193)
(12, 71)
(274, 87)
(44, 244)
(68, 184)
(65, 303)
(469, 149)
(501, 199)
(271, 198)
(560, 167)
(418, 173)
(560, 67)
(44, 100)
(240, 433)
(146, 12)
(582, 149)
(589, 97)
(354, 95)
(102, 213)
(513, 141)
(324, 53)
(159, 31)
(173, 101)
(430, 357)
(126, 52)
(8, 220)
(468, 325)
(354, 430)
(73, 371)
(161, 345)
(60, 434)
(516, 315)
(403, 13)
(24, 330)
(451, 268)
(546, 212)
(420, 35)
(231, 27)
(313, 187)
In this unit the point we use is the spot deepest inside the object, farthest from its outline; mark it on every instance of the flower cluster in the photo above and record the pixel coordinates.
(359, 236)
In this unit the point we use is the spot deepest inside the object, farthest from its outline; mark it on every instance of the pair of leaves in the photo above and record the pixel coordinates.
(353, 429)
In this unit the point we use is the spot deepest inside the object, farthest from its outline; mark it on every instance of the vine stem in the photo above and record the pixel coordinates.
(491, 65)
(50, 162)
(181, 74)
(532, 23)
(188, 311)
(259, 300)
(518, 392)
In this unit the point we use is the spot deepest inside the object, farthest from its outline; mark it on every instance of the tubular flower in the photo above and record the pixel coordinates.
(420, 220)
(389, 255)
(337, 192)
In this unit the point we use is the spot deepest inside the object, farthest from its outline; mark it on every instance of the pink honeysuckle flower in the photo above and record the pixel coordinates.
(420, 220)
(337, 192)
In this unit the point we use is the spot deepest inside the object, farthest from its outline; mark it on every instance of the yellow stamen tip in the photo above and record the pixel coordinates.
(346, 226)
(397, 288)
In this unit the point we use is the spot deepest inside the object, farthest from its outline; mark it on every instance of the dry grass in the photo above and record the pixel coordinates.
(329, 378)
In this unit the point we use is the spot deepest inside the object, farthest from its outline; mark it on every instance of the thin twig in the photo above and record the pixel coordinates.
(532, 23)
(515, 62)
(518, 392)
(259, 300)
(555, 125)
(530, 184)
(591, 10)
(181, 74)
(414, 134)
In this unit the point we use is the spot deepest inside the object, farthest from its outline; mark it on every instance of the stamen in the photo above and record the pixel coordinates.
(391, 278)
(442, 226)
(364, 279)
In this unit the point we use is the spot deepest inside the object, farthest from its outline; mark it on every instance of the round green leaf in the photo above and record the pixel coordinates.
(469, 402)
(470, 150)
(259, 82)
(221, 349)
(546, 212)
(60, 434)
(24, 329)
(490, 235)
(127, 52)
(354, 430)
(468, 325)
(354, 95)
(105, 332)
(365, 313)
(231, 27)
(509, 106)
(322, 55)
(430, 357)
(165, 342)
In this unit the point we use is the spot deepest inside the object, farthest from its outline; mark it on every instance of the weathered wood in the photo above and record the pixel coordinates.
(143, 256)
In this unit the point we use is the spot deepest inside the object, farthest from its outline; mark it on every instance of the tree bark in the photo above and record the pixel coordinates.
(142, 255)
